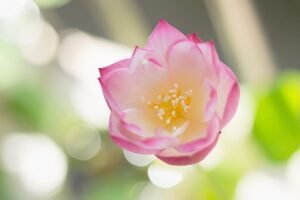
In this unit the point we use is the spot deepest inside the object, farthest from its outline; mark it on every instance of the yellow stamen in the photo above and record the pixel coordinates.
(172, 105)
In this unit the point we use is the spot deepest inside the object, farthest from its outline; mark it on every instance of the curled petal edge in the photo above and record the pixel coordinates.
(150, 145)
(113, 106)
(190, 158)
(231, 104)
(125, 63)
(232, 98)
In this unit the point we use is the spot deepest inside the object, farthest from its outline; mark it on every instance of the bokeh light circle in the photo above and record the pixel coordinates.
(37, 161)
(139, 160)
(83, 142)
(163, 175)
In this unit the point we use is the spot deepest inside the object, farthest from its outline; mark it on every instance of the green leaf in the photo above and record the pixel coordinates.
(277, 120)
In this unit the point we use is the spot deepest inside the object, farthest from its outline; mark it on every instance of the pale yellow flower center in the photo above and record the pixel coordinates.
(172, 105)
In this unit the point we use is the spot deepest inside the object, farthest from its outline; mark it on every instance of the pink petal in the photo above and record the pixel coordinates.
(116, 133)
(146, 127)
(212, 132)
(140, 55)
(194, 130)
(176, 158)
(181, 129)
(212, 58)
(149, 70)
(194, 37)
(204, 102)
(209, 51)
(125, 87)
(121, 64)
(158, 142)
(120, 136)
(108, 98)
(227, 86)
(211, 103)
(120, 90)
(228, 95)
(143, 123)
(163, 36)
(187, 65)
(202, 116)
(128, 145)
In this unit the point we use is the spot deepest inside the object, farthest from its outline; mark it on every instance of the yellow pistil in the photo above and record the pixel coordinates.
(172, 105)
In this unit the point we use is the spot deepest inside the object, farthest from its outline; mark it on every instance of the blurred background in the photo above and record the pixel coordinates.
(54, 143)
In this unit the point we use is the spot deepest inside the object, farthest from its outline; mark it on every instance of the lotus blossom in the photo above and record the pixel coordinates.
(171, 98)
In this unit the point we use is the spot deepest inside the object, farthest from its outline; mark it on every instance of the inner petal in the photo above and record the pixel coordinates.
(186, 64)
(148, 69)
(195, 130)
(204, 102)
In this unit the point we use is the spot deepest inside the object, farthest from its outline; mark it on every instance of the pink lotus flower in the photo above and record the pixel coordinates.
(171, 98)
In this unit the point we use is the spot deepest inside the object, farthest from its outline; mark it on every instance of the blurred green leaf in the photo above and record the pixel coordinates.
(222, 181)
(51, 3)
(31, 105)
(3, 187)
(11, 65)
(116, 186)
(28, 104)
(277, 121)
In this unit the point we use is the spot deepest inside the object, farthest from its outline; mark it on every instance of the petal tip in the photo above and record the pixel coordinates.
(101, 71)
(163, 24)
(194, 37)
(163, 35)
(162, 20)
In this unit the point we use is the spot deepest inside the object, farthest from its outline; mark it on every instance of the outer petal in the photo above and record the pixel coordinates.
(174, 157)
(228, 95)
(212, 58)
(209, 51)
(163, 36)
(226, 83)
(126, 85)
(119, 134)
(108, 98)
(194, 37)
(116, 131)
(118, 65)
(120, 90)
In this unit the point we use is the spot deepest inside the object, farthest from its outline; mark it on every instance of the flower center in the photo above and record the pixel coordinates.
(172, 105)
